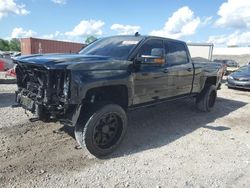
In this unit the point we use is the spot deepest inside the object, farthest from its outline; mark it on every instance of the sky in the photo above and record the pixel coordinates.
(222, 22)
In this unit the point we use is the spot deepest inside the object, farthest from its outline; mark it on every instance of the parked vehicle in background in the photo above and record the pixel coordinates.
(6, 58)
(8, 63)
(2, 64)
(240, 78)
(11, 72)
(15, 54)
(230, 65)
(94, 89)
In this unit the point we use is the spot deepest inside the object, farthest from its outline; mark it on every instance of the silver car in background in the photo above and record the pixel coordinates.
(240, 78)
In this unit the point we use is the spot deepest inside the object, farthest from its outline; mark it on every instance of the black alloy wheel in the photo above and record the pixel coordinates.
(107, 130)
(101, 129)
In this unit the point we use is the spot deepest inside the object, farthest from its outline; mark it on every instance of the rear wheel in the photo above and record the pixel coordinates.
(102, 130)
(205, 101)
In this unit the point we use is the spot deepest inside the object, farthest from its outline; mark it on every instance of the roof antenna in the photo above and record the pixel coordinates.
(137, 34)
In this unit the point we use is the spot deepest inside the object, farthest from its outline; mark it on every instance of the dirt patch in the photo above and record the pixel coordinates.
(37, 149)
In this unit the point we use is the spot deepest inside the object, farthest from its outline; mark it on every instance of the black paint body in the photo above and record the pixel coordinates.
(43, 79)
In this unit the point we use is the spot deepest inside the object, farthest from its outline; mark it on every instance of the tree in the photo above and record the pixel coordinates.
(90, 39)
(14, 45)
(4, 45)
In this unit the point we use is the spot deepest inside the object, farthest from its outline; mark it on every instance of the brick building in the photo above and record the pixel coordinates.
(36, 46)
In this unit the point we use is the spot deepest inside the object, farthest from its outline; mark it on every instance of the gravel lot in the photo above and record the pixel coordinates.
(170, 145)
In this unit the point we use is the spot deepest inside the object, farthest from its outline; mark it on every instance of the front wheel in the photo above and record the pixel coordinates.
(103, 130)
(206, 99)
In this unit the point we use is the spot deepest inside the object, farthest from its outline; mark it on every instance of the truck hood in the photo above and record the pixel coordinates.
(73, 61)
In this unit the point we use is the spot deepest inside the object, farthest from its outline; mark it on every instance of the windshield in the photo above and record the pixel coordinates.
(115, 47)
(244, 69)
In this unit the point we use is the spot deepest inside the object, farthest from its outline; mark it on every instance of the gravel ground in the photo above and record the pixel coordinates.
(9, 116)
(170, 145)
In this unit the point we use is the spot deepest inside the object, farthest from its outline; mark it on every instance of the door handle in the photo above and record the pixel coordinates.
(165, 70)
(189, 69)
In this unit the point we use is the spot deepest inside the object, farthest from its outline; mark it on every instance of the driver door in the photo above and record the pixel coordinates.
(150, 79)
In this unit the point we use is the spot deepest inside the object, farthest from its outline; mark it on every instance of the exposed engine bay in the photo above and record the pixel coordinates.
(38, 86)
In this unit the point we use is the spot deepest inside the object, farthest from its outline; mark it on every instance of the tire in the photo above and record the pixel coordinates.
(101, 129)
(219, 86)
(205, 101)
(42, 113)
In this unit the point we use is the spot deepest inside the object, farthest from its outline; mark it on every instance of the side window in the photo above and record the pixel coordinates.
(176, 53)
(147, 47)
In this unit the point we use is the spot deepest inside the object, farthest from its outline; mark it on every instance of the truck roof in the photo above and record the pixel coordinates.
(146, 37)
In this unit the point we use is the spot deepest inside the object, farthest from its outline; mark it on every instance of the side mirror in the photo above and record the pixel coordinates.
(156, 57)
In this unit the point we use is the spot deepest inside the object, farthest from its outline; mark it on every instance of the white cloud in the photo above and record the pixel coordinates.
(10, 7)
(87, 27)
(236, 38)
(234, 14)
(55, 35)
(207, 20)
(181, 23)
(62, 2)
(19, 32)
(125, 29)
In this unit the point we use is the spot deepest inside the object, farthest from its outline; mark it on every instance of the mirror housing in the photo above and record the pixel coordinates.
(156, 57)
(147, 59)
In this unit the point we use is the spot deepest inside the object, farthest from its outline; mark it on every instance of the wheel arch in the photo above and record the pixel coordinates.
(117, 94)
(212, 80)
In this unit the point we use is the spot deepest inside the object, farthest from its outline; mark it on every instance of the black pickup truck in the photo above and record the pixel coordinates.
(93, 90)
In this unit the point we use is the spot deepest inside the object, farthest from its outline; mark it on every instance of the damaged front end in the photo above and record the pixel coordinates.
(41, 87)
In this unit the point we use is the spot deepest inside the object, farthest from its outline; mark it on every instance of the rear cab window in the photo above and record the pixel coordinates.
(176, 53)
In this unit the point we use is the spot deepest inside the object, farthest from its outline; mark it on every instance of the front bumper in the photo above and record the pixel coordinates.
(61, 112)
(238, 84)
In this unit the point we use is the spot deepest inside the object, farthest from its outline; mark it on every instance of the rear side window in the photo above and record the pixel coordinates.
(149, 45)
(176, 53)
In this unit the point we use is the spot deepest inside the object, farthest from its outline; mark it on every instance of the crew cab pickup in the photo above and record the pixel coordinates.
(93, 90)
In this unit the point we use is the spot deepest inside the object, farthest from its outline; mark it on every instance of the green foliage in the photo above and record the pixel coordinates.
(4, 45)
(15, 45)
(12, 45)
(90, 39)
